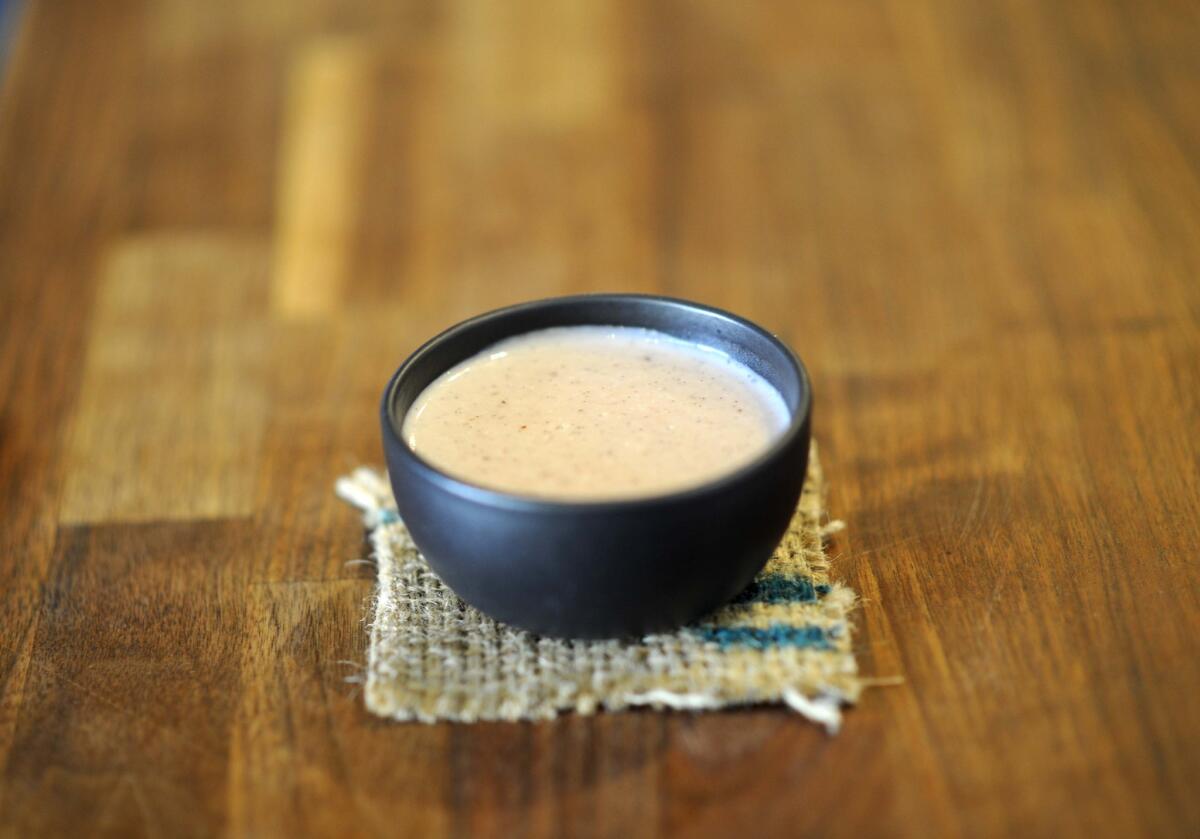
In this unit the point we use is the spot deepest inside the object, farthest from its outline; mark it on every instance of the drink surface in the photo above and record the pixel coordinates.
(587, 413)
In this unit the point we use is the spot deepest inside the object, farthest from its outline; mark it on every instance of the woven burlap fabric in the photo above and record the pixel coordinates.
(432, 657)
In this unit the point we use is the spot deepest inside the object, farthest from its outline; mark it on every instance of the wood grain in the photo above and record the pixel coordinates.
(323, 166)
(176, 352)
(223, 225)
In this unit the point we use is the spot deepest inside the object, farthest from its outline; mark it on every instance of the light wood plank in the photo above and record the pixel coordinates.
(321, 173)
(171, 410)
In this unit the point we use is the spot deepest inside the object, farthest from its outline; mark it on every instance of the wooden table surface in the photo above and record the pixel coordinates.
(222, 225)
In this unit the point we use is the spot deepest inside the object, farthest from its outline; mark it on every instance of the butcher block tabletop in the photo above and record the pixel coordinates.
(223, 225)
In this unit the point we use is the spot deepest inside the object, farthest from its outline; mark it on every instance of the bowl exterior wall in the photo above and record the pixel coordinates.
(623, 571)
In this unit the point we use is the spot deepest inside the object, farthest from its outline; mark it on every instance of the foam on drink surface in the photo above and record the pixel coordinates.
(585, 413)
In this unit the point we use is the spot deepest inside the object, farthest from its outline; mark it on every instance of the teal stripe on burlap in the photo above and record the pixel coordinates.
(777, 588)
(776, 635)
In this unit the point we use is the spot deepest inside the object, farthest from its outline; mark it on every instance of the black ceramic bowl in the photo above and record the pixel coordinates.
(612, 568)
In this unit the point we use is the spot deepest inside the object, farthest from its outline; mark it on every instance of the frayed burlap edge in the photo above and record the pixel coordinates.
(433, 657)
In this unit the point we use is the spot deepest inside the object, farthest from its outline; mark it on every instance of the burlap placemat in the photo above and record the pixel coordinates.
(432, 657)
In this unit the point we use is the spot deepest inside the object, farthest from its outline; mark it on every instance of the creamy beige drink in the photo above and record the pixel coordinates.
(594, 412)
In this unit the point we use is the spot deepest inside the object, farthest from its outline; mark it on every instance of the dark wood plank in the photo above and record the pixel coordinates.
(133, 683)
(56, 208)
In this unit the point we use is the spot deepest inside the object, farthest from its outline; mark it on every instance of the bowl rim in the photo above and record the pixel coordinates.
(492, 497)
